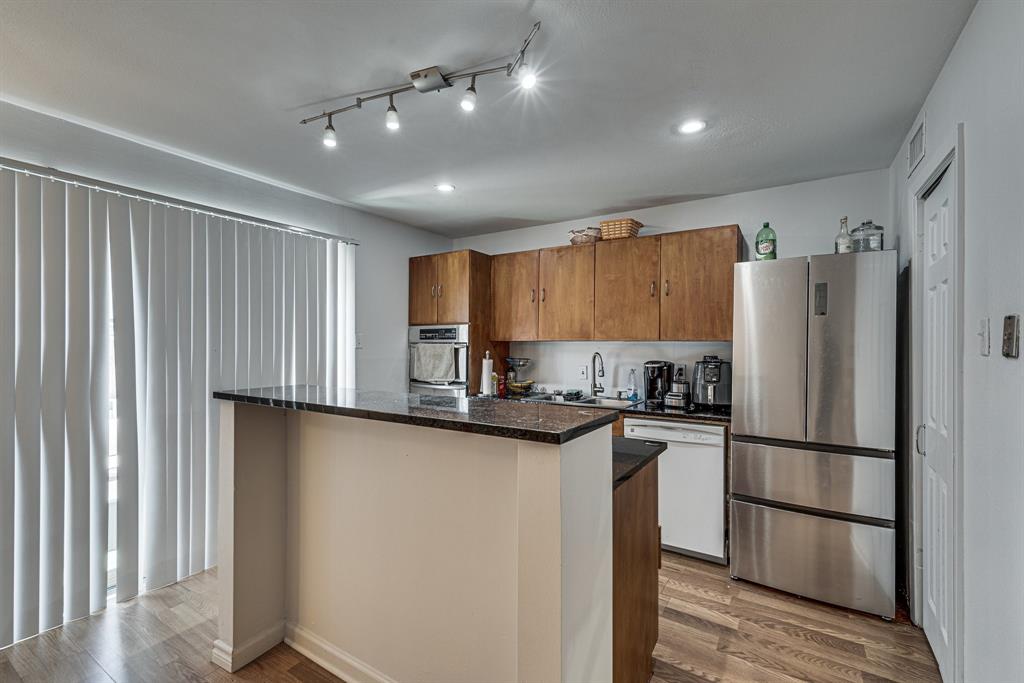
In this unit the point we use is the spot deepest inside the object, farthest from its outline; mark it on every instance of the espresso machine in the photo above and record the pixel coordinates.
(657, 381)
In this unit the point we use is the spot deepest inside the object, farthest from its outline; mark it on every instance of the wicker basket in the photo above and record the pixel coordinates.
(620, 228)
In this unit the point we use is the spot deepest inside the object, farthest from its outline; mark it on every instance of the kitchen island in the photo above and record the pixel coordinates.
(395, 537)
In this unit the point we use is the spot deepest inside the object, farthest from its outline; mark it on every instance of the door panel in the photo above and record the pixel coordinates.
(837, 482)
(769, 366)
(566, 293)
(626, 301)
(939, 539)
(453, 287)
(697, 283)
(422, 290)
(514, 285)
(851, 350)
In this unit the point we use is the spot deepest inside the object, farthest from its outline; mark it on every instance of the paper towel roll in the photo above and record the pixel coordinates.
(485, 374)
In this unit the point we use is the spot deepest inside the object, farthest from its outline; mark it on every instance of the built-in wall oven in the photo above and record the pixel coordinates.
(430, 349)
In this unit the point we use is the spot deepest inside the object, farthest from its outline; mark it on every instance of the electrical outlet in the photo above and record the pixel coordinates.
(985, 339)
(584, 372)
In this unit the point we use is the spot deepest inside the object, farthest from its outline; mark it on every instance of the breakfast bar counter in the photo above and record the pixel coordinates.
(397, 537)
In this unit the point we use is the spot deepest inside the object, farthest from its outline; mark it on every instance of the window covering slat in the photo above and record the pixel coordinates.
(184, 412)
(199, 399)
(290, 307)
(267, 328)
(120, 236)
(242, 307)
(301, 320)
(214, 322)
(7, 346)
(172, 237)
(229, 316)
(321, 354)
(77, 489)
(28, 269)
(99, 403)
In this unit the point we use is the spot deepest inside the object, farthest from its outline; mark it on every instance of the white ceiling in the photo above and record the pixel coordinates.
(792, 89)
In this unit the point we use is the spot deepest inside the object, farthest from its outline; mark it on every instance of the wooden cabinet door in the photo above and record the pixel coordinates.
(514, 296)
(566, 293)
(696, 283)
(453, 287)
(422, 290)
(626, 301)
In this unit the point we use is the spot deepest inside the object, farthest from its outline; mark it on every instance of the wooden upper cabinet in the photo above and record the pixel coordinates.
(423, 290)
(566, 293)
(627, 304)
(697, 283)
(453, 287)
(514, 296)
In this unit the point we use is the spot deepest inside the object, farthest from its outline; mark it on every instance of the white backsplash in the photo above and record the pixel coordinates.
(555, 365)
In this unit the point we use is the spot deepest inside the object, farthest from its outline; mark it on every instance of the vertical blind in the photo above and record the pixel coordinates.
(111, 304)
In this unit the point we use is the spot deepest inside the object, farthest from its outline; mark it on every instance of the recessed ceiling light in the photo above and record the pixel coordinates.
(445, 187)
(692, 126)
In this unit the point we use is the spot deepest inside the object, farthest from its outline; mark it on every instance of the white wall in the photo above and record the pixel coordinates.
(381, 258)
(982, 85)
(805, 216)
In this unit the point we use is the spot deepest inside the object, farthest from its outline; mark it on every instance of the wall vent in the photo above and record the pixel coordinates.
(915, 150)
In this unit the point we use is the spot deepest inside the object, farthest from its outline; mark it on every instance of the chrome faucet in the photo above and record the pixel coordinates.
(596, 370)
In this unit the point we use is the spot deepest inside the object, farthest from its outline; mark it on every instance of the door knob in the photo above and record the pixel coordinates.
(919, 444)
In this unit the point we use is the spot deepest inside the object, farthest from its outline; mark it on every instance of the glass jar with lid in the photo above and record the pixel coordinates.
(868, 236)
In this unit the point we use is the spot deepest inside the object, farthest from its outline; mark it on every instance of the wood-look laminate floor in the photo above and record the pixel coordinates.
(711, 629)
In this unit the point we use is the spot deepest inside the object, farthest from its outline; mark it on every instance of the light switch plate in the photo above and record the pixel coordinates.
(984, 336)
(1011, 336)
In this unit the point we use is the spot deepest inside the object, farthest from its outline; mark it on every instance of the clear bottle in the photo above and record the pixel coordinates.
(631, 385)
(764, 244)
(868, 237)
(844, 243)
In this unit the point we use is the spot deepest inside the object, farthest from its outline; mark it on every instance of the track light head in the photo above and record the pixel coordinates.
(468, 102)
(330, 137)
(527, 79)
(391, 117)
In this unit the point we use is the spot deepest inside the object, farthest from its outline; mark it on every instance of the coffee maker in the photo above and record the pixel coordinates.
(657, 381)
(712, 383)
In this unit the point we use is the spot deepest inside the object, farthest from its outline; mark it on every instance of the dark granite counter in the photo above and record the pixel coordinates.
(541, 422)
(720, 417)
(629, 456)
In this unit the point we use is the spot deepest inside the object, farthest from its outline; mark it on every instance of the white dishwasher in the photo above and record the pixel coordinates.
(691, 485)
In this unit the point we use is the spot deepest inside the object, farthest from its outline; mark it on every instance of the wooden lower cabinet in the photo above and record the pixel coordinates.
(636, 550)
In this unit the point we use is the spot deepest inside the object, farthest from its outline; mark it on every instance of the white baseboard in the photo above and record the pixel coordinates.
(232, 659)
(332, 658)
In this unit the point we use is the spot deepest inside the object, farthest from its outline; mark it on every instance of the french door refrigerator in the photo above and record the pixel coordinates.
(812, 479)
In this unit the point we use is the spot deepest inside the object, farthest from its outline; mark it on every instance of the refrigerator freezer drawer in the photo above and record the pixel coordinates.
(848, 484)
(839, 562)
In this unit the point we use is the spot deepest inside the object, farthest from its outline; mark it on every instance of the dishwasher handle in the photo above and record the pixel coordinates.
(701, 435)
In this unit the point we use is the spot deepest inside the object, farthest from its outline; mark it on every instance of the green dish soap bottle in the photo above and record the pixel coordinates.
(764, 245)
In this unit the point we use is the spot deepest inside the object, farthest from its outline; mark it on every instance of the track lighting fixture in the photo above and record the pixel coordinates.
(391, 117)
(432, 79)
(468, 102)
(330, 137)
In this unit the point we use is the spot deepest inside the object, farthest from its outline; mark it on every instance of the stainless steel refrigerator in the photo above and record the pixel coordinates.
(813, 476)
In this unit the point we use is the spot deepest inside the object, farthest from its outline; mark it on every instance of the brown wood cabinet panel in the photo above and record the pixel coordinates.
(627, 305)
(422, 290)
(453, 287)
(636, 554)
(566, 293)
(514, 296)
(696, 283)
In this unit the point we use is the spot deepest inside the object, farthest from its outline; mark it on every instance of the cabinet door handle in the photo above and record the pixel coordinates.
(533, 295)
(543, 294)
(666, 287)
(654, 287)
(440, 291)
(433, 291)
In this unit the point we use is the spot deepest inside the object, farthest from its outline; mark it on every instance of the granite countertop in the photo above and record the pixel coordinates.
(722, 416)
(629, 456)
(540, 422)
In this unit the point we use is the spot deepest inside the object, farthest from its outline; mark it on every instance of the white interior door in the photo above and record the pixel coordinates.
(935, 435)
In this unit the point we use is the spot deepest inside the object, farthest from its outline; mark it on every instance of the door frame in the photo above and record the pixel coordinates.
(951, 162)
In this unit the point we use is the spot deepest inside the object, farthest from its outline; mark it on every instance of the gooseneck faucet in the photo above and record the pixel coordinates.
(596, 370)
